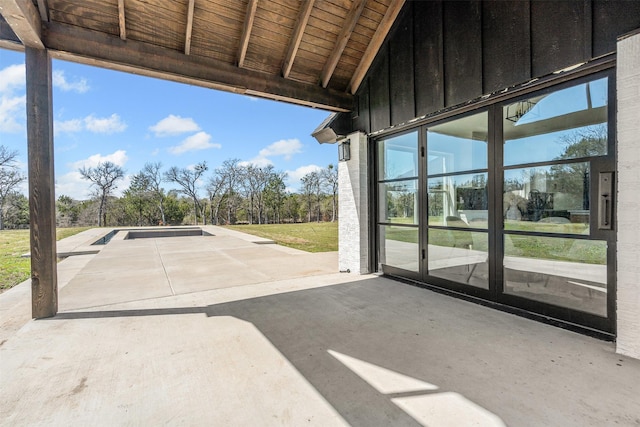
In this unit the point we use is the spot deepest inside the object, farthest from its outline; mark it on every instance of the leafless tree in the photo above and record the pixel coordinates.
(230, 172)
(151, 171)
(103, 178)
(330, 183)
(10, 177)
(215, 188)
(187, 179)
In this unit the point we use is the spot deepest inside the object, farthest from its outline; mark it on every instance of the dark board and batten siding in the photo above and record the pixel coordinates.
(443, 53)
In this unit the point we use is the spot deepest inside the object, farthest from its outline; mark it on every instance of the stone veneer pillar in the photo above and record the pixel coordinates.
(353, 210)
(628, 196)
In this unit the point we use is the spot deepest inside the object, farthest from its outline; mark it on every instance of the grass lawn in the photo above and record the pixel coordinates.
(310, 237)
(13, 243)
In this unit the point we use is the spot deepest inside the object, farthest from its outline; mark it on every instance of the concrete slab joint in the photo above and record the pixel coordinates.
(353, 229)
(628, 158)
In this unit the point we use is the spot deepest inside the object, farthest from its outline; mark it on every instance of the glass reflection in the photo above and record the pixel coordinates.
(552, 199)
(566, 272)
(458, 201)
(399, 247)
(398, 202)
(566, 124)
(460, 256)
(458, 145)
(398, 157)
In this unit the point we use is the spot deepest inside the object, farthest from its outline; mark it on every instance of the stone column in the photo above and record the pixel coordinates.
(628, 196)
(42, 208)
(353, 208)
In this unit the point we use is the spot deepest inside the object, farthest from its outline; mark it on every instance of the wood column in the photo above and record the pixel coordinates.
(42, 213)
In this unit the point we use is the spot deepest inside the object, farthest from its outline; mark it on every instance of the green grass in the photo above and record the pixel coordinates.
(310, 237)
(13, 243)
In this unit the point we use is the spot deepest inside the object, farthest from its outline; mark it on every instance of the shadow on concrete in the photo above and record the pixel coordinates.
(526, 373)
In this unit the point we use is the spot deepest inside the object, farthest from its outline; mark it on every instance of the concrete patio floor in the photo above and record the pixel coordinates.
(222, 330)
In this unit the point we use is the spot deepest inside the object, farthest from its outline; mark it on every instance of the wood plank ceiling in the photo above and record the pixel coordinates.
(311, 52)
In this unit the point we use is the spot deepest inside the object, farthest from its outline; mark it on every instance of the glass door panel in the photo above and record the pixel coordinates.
(398, 203)
(457, 200)
(551, 253)
(565, 272)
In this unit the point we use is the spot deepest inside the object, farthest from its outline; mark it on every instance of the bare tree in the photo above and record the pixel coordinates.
(151, 171)
(330, 183)
(103, 178)
(311, 189)
(187, 179)
(231, 173)
(10, 177)
(215, 188)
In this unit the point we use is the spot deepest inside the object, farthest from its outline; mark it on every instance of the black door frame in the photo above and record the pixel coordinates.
(495, 296)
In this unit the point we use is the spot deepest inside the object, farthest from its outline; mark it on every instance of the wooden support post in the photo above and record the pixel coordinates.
(42, 222)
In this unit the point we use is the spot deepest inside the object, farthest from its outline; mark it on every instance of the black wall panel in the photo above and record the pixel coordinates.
(611, 19)
(362, 115)
(428, 58)
(379, 90)
(560, 34)
(401, 68)
(506, 46)
(462, 51)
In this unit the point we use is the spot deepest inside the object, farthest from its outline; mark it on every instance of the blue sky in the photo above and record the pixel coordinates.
(107, 115)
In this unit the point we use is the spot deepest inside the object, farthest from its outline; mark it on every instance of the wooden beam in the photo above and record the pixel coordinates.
(298, 32)
(187, 38)
(44, 10)
(77, 44)
(375, 44)
(341, 42)
(42, 208)
(122, 20)
(8, 39)
(24, 19)
(246, 30)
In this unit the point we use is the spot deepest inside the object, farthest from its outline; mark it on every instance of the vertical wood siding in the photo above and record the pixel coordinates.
(443, 53)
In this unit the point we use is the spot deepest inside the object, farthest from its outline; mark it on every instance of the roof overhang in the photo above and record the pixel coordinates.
(312, 53)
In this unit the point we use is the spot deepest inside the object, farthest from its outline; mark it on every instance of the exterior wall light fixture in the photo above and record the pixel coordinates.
(344, 151)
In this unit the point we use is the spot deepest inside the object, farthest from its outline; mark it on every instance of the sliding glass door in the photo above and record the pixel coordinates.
(556, 152)
(512, 203)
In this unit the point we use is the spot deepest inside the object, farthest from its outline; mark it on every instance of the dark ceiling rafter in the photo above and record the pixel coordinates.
(343, 39)
(90, 47)
(24, 19)
(43, 8)
(375, 44)
(189, 31)
(301, 24)
(122, 22)
(252, 5)
(279, 49)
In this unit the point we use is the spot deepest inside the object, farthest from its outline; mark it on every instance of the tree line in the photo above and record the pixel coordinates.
(234, 193)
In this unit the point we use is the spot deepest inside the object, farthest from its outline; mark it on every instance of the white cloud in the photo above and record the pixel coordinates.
(60, 81)
(12, 113)
(11, 78)
(284, 147)
(257, 162)
(67, 126)
(294, 176)
(199, 141)
(174, 125)
(71, 184)
(119, 158)
(111, 124)
(12, 106)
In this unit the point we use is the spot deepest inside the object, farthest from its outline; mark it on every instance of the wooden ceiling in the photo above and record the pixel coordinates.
(310, 52)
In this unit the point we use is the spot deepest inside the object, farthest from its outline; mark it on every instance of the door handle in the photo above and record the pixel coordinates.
(605, 205)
